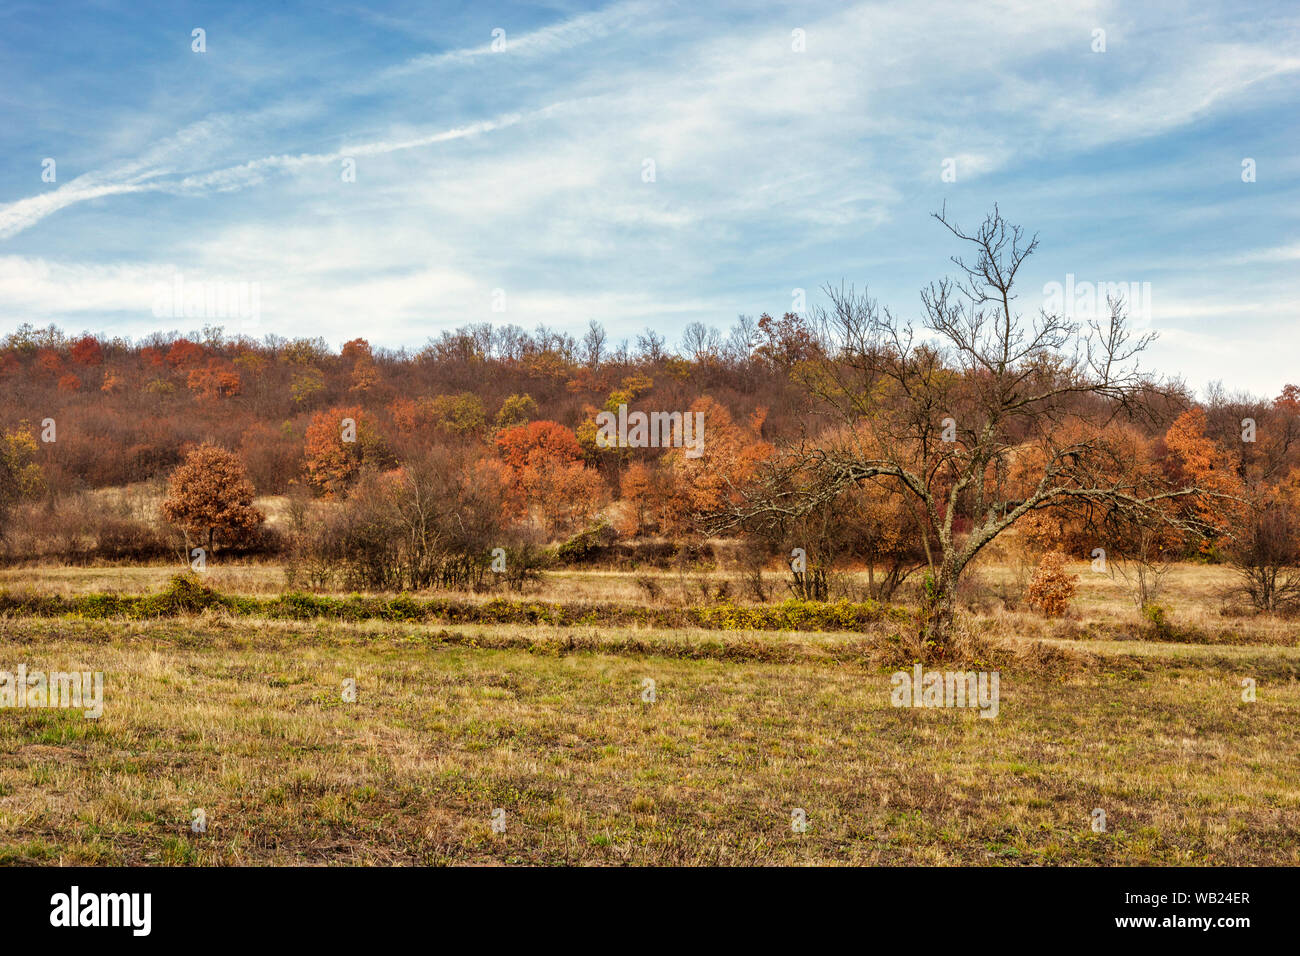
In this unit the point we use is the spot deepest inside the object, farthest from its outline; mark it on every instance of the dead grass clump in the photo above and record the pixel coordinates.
(975, 646)
(651, 587)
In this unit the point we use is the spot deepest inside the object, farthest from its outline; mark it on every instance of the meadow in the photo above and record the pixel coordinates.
(245, 719)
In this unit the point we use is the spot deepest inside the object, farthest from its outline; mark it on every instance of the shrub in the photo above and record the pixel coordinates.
(1158, 626)
(653, 592)
(588, 545)
(121, 539)
(1266, 555)
(183, 595)
(1052, 587)
(430, 524)
(524, 566)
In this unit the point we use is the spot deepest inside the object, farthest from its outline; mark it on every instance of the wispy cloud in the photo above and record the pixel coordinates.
(545, 42)
(1287, 253)
(25, 213)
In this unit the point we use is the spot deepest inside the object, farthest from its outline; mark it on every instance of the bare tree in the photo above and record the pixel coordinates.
(621, 355)
(978, 415)
(593, 344)
(742, 340)
(701, 342)
(1266, 555)
(650, 346)
(1143, 564)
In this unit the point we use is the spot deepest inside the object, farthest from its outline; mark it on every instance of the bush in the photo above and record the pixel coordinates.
(1266, 555)
(184, 595)
(86, 527)
(431, 524)
(1158, 626)
(524, 565)
(121, 539)
(587, 546)
(1052, 587)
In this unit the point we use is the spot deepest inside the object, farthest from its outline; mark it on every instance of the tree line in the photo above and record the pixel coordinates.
(844, 435)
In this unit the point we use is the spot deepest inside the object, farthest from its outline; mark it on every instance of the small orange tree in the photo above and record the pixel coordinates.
(1052, 587)
(210, 495)
(87, 351)
(218, 380)
(1195, 457)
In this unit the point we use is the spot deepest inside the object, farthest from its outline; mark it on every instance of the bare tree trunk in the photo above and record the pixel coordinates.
(941, 604)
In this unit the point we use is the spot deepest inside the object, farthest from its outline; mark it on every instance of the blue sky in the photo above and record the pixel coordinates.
(522, 169)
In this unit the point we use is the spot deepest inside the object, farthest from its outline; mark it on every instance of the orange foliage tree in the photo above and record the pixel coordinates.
(214, 381)
(87, 351)
(640, 493)
(339, 441)
(1195, 458)
(210, 498)
(730, 455)
(49, 361)
(536, 442)
(184, 354)
(547, 474)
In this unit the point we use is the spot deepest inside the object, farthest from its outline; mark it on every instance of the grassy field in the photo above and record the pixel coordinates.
(1192, 594)
(246, 720)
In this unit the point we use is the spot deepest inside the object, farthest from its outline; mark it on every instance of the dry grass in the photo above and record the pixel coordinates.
(1102, 609)
(245, 720)
(1189, 585)
(248, 578)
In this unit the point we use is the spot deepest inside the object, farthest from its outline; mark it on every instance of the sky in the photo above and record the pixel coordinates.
(397, 170)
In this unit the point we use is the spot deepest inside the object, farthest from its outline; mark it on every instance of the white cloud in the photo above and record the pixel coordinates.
(1288, 253)
(547, 41)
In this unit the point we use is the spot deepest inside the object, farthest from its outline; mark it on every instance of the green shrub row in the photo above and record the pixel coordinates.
(185, 595)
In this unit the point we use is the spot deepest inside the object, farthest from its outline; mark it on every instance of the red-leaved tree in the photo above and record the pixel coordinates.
(210, 498)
